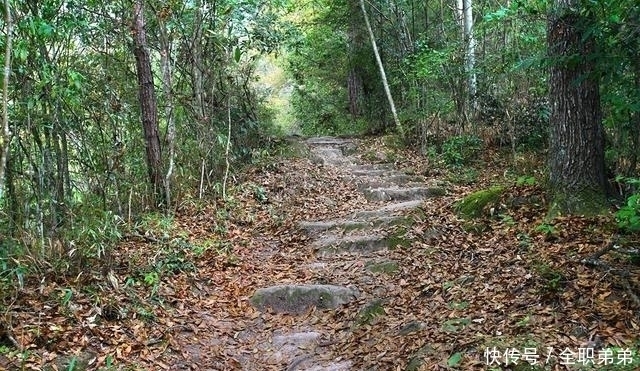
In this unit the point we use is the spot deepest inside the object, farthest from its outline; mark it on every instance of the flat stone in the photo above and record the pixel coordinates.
(328, 156)
(296, 339)
(367, 243)
(386, 267)
(402, 194)
(310, 364)
(314, 228)
(328, 141)
(368, 167)
(374, 172)
(388, 209)
(297, 299)
(375, 184)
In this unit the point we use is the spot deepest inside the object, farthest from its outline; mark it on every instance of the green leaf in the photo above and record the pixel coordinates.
(454, 360)
(44, 29)
(236, 55)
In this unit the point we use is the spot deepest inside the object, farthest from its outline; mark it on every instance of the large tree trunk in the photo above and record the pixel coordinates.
(576, 153)
(148, 106)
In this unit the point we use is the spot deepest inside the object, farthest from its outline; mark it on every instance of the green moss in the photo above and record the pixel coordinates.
(370, 312)
(387, 267)
(473, 205)
(398, 239)
(587, 202)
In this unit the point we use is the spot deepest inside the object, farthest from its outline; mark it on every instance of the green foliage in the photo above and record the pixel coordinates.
(628, 216)
(464, 176)
(525, 180)
(546, 229)
(152, 278)
(454, 360)
(460, 150)
(552, 279)
(455, 324)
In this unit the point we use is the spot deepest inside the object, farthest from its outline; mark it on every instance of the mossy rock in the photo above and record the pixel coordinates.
(370, 312)
(411, 327)
(417, 359)
(398, 239)
(386, 267)
(474, 205)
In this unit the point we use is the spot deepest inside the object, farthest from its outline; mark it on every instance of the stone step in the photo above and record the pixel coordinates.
(402, 194)
(315, 228)
(328, 141)
(409, 181)
(328, 156)
(374, 172)
(297, 299)
(355, 244)
(388, 209)
(311, 365)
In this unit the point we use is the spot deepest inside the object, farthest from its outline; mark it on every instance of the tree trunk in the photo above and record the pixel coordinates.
(470, 54)
(383, 75)
(354, 80)
(148, 106)
(5, 134)
(576, 151)
(167, 89)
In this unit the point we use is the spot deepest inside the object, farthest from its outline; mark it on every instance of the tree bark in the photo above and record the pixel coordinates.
(470, 54)
(383, 75)
(354, 80)
(148, 105)
(167, 88)
(576, 152)
(5, 135)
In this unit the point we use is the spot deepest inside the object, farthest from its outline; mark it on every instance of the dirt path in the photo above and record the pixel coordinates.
(333, 278)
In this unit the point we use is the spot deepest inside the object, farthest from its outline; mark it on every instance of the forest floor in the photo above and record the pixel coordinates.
(348, 256)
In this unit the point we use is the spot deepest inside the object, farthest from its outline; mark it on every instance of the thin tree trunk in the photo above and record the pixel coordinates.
(470, 54)
(576, 153)
(354, 80)
(383, 75)
(148, 105)
(167, 88)
(5, 136)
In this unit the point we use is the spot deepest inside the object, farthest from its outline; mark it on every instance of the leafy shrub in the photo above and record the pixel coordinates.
(461, 149)
(628, 217)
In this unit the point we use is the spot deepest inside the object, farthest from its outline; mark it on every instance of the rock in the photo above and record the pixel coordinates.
(411, 327)
(314, 228)
(297, 299)
(296, 339)
(476, 203)
(369, 313)
(374, 172)
(402, 194)
(311, 365)
(389, 209)
(328, 141)
(387, 267)
(392, 180)
(366, 243)
(328, 156)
